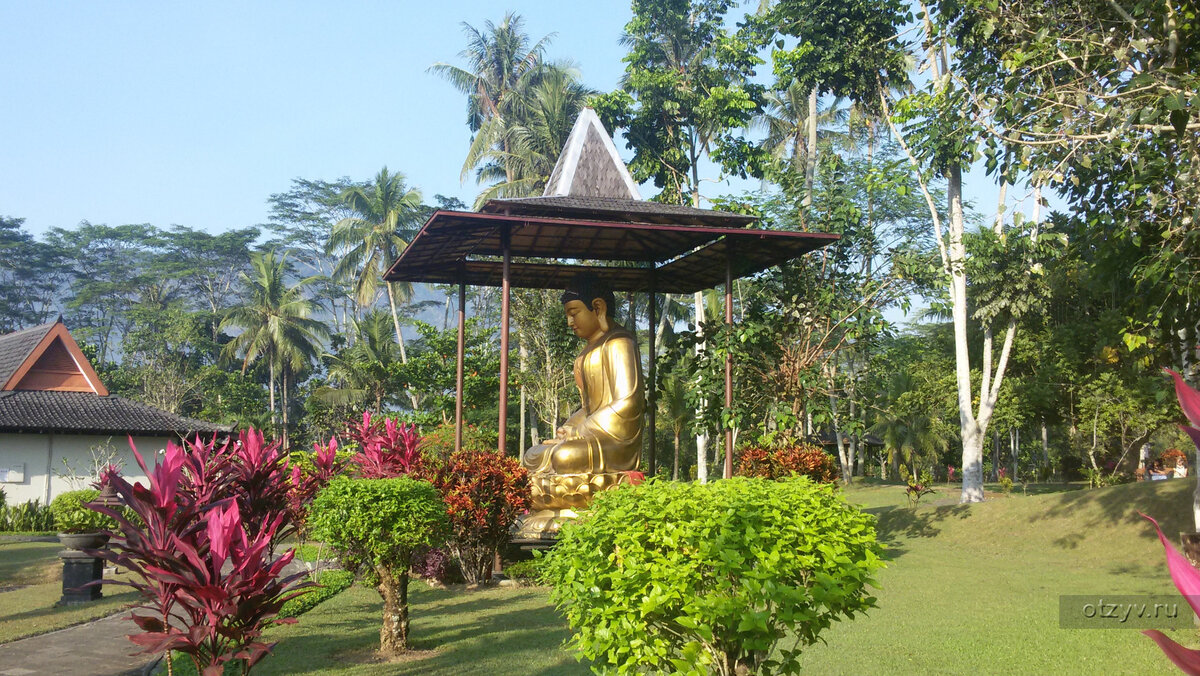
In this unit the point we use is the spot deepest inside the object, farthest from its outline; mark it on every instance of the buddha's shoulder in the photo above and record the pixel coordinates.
(619, 338)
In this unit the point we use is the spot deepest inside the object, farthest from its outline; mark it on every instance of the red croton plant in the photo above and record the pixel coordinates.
(484, 491)
(198, 540)
(1185, 576)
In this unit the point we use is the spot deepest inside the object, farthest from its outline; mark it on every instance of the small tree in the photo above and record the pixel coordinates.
(710, 578)
(485, 492)
(375, 526)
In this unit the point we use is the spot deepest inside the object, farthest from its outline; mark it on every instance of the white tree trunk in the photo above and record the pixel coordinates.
(701, 435)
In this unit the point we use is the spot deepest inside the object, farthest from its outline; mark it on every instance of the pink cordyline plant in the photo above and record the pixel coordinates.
(1183, 573)
(385, 450)
(208, 581)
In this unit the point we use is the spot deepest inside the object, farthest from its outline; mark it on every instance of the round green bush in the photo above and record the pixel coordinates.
(71, 514)
(700, 578)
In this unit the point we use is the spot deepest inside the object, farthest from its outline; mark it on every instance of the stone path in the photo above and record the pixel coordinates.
(98, 648)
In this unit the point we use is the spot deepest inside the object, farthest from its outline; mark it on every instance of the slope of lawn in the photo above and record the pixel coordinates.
(30, 584)
(970, 589)
(975, 588)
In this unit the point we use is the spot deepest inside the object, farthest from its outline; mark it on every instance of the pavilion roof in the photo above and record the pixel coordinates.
(615, 209)
(458, 246)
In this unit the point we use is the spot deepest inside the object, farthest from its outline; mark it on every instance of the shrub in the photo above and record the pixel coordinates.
(330, 584)
(28, 517)
(1171, 457)
(784, 460)
(206, 575)
(385, 449)
(376, 526)
(72, 515)
(711, 578)
(918, 487)
(439, 443)
(528, 571)
(435, 564)
(485, 492)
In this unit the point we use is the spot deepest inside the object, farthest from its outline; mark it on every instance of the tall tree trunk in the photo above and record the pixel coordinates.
(810, 160)
(522, 365)
(396, 322)
(845, 461)
(283, 400)
(701, 433)
(271, 390)
(393, 635)
(1045, 445)
(675, 466)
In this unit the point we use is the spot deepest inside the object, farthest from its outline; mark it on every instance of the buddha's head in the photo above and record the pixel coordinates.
(588, 304)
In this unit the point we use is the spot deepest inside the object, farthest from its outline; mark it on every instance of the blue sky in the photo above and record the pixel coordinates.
(193, 114)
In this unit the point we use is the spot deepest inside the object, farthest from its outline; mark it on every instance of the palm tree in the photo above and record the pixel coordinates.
(672, 402)
(516, 154)
(370, 240)
(362, 371)
(275, 321)
(501, 65)
(787, 118)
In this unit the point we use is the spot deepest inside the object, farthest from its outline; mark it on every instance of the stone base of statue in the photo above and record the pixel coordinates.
(556, 497)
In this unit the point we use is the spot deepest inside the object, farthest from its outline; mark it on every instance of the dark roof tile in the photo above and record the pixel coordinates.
(616, 209)
(85, 412)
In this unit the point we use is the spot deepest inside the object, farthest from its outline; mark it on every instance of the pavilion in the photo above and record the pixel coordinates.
(591, 210)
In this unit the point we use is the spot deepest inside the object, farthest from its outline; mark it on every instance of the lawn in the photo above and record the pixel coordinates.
(493, 631)
(31, 574)
(970, 589)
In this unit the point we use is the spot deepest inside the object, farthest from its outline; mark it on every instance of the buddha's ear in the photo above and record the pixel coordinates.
(601, 309)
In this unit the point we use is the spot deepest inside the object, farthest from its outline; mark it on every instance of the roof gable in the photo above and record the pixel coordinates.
(16, 347)
(53, 363)
(589, 165)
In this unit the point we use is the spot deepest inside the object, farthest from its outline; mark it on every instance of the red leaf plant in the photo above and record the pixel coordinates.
(1183, 573)
(386, 450)
(208, 581)
(484, 492)
(306, 483)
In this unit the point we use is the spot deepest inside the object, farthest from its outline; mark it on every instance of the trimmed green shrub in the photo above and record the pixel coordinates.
(528, 571)
(700, 579)
(332, 583)
(72, 515)
(27, 517)
(375, 526)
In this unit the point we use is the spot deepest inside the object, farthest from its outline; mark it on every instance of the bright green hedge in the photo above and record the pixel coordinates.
(731, 576)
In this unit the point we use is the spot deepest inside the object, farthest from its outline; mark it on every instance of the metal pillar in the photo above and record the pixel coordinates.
(506, 244)
(460, 355)
(652, 387)
(729, 359)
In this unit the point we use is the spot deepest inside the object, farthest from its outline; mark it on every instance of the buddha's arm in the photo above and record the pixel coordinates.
(621, 417)
(573, 422)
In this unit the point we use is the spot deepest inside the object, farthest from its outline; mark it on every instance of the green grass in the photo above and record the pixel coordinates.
(492, 631)
(975, 588)
(28, 610)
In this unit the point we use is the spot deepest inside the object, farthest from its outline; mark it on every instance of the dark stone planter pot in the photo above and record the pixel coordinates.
(79, 541)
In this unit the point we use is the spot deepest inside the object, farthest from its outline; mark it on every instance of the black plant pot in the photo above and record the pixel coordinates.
(82, 541)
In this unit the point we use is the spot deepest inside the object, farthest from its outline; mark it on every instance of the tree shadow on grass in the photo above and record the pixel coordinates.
(468, 632)
(916, 523)
(1167, 501)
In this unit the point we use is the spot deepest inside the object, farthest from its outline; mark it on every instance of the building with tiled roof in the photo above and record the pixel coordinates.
(57, 419)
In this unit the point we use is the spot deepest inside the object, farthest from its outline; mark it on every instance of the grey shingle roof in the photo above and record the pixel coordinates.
(15, 348)
(616, 209)
(85, 412)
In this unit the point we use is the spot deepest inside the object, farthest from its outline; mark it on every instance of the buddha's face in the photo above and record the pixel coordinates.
(584, 321)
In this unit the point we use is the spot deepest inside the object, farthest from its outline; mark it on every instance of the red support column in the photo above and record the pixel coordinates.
(460, 355)
(729, 360)
(651, 387)
(506, 242)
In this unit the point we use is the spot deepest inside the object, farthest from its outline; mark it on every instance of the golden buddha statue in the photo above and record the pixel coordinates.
(602, 441)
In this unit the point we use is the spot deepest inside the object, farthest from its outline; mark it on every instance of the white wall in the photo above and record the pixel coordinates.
(41, 456)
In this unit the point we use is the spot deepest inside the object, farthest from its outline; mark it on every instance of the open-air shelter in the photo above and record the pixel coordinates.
(592, 219)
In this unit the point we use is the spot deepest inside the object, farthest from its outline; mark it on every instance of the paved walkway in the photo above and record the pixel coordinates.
(98, 648)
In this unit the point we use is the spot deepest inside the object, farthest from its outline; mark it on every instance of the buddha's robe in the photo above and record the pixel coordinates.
(605, 434)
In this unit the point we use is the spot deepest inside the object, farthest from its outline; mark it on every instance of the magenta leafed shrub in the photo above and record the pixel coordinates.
(386, 449)
(199, 540)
